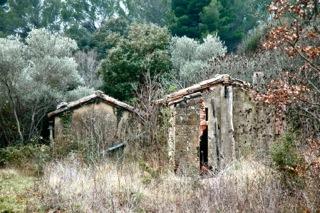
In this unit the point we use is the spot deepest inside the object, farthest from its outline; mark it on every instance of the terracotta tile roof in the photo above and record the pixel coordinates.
(84, 100)
(196, 89)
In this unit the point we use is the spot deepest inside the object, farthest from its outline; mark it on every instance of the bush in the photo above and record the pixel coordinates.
(253, 40)
(29, 157)
(284, 152)
(288, 161)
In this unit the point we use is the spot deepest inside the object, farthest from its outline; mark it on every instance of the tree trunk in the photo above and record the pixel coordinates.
(17, 123)
(15, 112)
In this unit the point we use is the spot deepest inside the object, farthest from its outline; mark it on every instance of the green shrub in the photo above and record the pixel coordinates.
(288, 161)
(284, 152)
(29, 157)
(252, 40)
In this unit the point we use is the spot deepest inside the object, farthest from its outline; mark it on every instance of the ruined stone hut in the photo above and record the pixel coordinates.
(97, 117)
(215, 122)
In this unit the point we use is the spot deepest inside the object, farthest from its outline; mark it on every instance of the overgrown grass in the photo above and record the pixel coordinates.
(14, 191)
(139, 184)
(71, 186)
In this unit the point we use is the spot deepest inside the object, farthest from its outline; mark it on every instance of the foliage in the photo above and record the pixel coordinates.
(81, 18)
(77, 19)
(66, 146)
(244, 67)
(189, 57)
(284, 152)
(297, 35)
(50, 61)
(288, 160)
(20, 17)
(281, 94)
(44, 67)
(14, 196)
(148, 143)
(149, 11)
(107, 35)
(231, 19)
(237, 18)
(143, 50)
(88, 64)
(31, 157)
(187, 17)
(78, 93)
(252, 41)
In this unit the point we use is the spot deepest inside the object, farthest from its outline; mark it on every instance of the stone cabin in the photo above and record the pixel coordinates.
(97, 117)
(215, 122)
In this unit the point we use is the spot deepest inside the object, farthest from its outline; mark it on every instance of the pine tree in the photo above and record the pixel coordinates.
(187, 17)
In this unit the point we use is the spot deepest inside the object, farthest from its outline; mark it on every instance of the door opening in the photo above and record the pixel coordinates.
(204, 149)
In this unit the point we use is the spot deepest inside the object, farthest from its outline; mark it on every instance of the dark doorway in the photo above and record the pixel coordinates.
(204, 148)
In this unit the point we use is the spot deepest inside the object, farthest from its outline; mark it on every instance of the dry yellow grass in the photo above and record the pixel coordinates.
(244, 186)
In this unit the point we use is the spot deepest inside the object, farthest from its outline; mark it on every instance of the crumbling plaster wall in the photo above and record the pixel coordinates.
(96, 119)
(186, 124)
(255, 125)
(221, 142)
(237, 127)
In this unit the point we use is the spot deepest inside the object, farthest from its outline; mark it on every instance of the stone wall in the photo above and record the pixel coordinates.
(255, 125)
(237, 127)
(187, 120)
(219, 101)
(97, 121)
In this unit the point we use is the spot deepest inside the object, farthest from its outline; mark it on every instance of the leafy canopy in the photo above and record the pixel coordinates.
(189, 57)
(143, 50)
(35, 76)
(231, 19)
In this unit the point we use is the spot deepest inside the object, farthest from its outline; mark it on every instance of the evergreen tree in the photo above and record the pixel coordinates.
(19, 16)
(107, 35)
(231, 19)
(149, 11)
(143, 50)
(187, 17)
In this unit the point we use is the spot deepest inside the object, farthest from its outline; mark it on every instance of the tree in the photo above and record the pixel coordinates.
(149, 11)
(231, 19)
(35, 76)
(210, 17)
(187, 17)
(19, 16)
(78, 19)
(51, 14)
(12, 64)
(107, 35)
(88, 68)
(189, 57)
(297, 34)
(82, 18)
(143, 50)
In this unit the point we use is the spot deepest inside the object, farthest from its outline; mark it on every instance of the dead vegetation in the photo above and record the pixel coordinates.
(244, 186)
